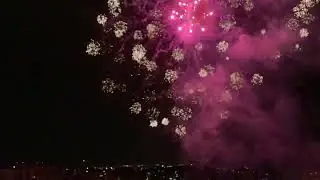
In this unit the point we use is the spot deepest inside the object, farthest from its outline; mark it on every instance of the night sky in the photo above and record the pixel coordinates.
(53, 108)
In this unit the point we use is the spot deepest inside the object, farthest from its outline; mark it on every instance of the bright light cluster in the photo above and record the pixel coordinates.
(191, 15)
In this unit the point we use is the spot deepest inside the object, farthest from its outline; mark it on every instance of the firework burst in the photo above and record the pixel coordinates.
(176, 52)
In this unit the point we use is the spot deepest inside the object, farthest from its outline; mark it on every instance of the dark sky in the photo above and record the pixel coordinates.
(53, 107)
(52, 104)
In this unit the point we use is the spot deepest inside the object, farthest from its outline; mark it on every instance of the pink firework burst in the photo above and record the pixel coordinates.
(191, 16)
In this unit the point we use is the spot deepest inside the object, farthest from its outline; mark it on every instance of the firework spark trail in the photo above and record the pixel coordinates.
(201, 57)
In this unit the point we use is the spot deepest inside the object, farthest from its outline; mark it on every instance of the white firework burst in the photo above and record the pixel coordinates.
(138, 53)
(303, 33)
(102, 19)
(165, 121)
(93, 48)
(170, 75)
(120, 28)
(114, 7)
(153, 123)
(257, 79)
(181, 130)
(236, 80)
(222, 46)
(178, 54)
(136, 108)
